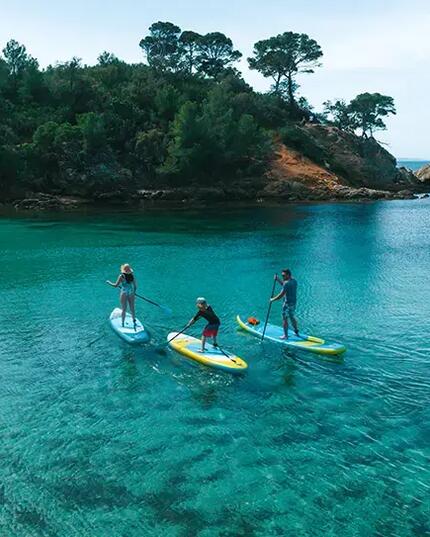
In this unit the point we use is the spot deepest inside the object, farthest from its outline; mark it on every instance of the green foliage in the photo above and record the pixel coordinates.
(189, 43)
(168, 49)
(340, 115)
(211, 143)
(365, 112)
(296, 138)
(369, 109)
(282, 57)
(215, 53)
(107, 58)
(161, 46)
(17, 58)
(185, 119)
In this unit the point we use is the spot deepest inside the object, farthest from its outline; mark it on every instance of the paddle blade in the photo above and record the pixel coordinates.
(167, 311)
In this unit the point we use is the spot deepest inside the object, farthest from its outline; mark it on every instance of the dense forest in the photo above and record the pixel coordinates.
(182, 117)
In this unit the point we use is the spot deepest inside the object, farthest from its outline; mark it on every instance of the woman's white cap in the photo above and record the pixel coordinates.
(200, 300)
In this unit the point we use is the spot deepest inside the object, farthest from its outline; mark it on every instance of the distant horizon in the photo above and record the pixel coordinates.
(393, 58)
(412, 159)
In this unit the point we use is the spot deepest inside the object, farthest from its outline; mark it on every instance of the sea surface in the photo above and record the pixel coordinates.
(413, 165)
(102, 439)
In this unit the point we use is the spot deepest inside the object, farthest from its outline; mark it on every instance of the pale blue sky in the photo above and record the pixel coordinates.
(379, 45)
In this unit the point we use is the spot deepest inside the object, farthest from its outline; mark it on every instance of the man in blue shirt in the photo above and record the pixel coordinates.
(289, 294)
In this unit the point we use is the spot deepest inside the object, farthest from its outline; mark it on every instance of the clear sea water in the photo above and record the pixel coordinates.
(413, 165)
(102, 439)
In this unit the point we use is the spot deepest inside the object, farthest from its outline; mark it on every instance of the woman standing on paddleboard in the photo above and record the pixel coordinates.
(127, 284)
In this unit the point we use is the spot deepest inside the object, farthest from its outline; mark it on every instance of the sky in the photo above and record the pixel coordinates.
(369, 45)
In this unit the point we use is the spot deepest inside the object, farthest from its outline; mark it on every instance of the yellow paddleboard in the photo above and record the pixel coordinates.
(303, 342)
(190, 347)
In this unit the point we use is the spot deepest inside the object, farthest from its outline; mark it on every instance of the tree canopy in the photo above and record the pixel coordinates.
(369, 109)
(282, 57)
(365, 112)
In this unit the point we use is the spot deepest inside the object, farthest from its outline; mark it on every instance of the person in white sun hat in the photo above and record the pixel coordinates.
(126, 281)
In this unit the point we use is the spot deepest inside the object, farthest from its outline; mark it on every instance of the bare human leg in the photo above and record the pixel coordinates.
(131, 302)
(295, 325)
(285, 326)
(203, 343)
(123, 302)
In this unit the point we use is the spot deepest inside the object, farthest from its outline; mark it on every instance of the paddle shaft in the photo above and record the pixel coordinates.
(225, 354)
(178, 334)
(151, 301)
(217, 346)
(269, 308)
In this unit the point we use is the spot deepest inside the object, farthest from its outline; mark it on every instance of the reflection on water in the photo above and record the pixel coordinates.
(99, 438)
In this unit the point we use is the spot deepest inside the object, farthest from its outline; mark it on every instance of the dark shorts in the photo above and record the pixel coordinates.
(211, 330)
(288, 311)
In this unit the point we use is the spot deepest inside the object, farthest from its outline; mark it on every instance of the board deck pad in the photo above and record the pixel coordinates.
(129, 332)
(302, 342)
(190, 347)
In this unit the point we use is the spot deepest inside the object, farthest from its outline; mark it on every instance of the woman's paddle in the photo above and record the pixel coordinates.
(165, 309)
(269, 308)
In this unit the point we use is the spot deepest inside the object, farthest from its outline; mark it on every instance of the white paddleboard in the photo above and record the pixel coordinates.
(132, 333)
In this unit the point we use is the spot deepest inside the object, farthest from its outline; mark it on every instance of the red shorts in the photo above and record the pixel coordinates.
(211, 330)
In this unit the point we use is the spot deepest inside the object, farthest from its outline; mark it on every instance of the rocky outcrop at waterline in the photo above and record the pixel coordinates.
(423, 175)
(47, 202)
(333, 164)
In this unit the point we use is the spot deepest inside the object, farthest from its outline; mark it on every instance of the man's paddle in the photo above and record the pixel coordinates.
(165, 309)
(178, 334)
(270, 307)
(225, 354)
(160, 348)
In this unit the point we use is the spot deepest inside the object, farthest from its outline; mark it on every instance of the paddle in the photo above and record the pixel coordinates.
(225, 354)
(269, 308)
(160, 348)
(216, 346)
(165, 309)
(177, 334)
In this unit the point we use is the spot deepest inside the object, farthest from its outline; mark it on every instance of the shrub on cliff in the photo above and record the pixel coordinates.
(297, 138)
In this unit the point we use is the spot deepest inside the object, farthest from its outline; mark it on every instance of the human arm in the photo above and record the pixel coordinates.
(193, 319)
(134, 284)
(190, 323)
(278, 296)
(117, 283)
(278, 279)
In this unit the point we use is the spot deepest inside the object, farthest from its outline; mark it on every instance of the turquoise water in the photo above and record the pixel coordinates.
(413, 165)
(101, 439)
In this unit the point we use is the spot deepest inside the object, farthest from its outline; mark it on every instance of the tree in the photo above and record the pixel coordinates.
(161, 46)
(188, 155)
(71, 70)
(341, 115)
(107, 58)
(369, 109)
(284, 56)
(17, 58)
(189, 42)
(215, 54)
(150, 149)
(4, 74)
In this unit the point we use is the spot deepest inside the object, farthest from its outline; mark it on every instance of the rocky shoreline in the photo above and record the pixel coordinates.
(292, 178)
(192, 197)
(343, 168)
